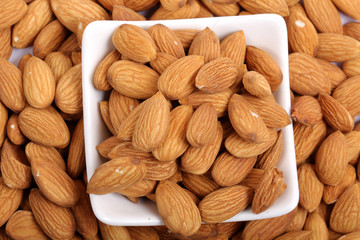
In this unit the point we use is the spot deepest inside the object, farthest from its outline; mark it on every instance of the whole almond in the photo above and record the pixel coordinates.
(139, 189)
(10, 201)
(100, 80)
(134, 43)
(278, 7)
(22, 225)
(11, 12)
(219, 9)
(228, 170)
(351, 236)
(162, 61)
(202, 125)
(295, 235)
(256, 84)
(38, 83)
(225, 203)
(310, 187)
(200, 185)
(199, 160)
(189, 10)
(37, 16)
(105, 115)
(351, 67)
(246, 121)
(166, 40)
(123, 13)
(116, 175)
(260, 61)
(317, 225)
(306, 110)
(76, 158)
(133, 79)
(216, 75)
(346, 47)
(113, 232)
(57, 222)
(334, 73)
(305, 77)
(15, 169)
(349, 8)
(234, 47)
(68, 95)
(109, 4)
(11, 88)
(347, 94)
(206, 44)
(59, 63)
(70, 45)
(13, 131)
(353, 146)
(175, 144)
(72, 11)
(299, 219)
(335, 114)
(186, 36)
(178, 80)
(153, 123)
(270, 157)
(138, 233)
(44, 126)
(3, 122)
(352, 29)
(158, 170)
(126, 149)
(6, 48)
(172, 5)
(177, 209)
(324, 15)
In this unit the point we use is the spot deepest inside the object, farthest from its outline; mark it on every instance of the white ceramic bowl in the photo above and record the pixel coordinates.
(267, 32)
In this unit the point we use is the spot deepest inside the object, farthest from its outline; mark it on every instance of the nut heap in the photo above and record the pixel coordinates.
(41, 130)
(158, 143)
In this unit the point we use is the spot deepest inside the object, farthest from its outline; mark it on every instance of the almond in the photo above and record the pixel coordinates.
(153, 123)
(71, 12)
(105, 115)
(306, 110)
(256, 84)
(310, 187)
(49, 154)
(133, 79)
(346, 47)
(3, 122)
(324, 15)
(126, 14)
(270, 157)
(270, 187)
(172, 5)
(120, 107)
(125, 149)
(234, 47)
(140, 5)
(332, 193)
(352, 29)
(109, 4)
(295, 235)
(317, 225)
(162, 61)
(349, 8)
(134, 43)
(351, 67)
(178, 80)
(335, 114)
(260, 61)
(206, 44)
(240, 148)
(347, 93)
(228, 170)
(11, 12)
(10, 201)
(305, 77)
(57, 222)
(139, 233)
(177, 209)
(116, 175)
(11, 88)
(44, 126)
(59, 63)
(255, 7)
(13, 131)
(22, 62)
(189, 10)
(5, 43)
(353, 146)
(225, 203)
(15, 169)
(22, 225)
(113, 232)
(186, 36)
(166, 40)
(139, 189)
(246, 121)
(218, 100)
(86, 222)
(200, 185)
(37, 16)
(100, 80)
(199, 160)
(351, 236)
(76, 158)
(175, 144)
(334, 73)
(299, 219)
(39, 83)
(157, 170)
(216, 75)
(70, 45)
(219, 9)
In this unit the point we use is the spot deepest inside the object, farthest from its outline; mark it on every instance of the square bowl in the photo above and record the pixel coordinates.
(266, 31)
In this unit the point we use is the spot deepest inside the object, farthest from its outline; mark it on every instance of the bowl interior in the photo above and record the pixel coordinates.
(266, 31)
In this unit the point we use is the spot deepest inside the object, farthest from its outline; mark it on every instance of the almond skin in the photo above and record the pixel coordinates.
(224, 203)
(10, 201)
(44, 126)
(172, 5)
(334, 73)
(38, 83)
(162, 61)
(76, 158)
(189, 10)
(3, 122)
(306, 110)
(175, 144)
(172, 201)
(59, 63)
(186, 36)
(219, 9)
(57, 222)
(245, 120)
(105, 115)
(255, 7)
(125, 149)
(138, 233)
(125, 14)
(116, 175)
(133, 79)
(317, 225)
(200, 185)
(48, 154)
(139, 189)
(178, 80)
(11, 88)
(12, 129)
(260, 61)
(351, 67)
(153, 123)
(158, 170)
(234, 47)
(100, 80)
(70, 45)
(11, 12)
(298, 221)
(197, 132)
(216, 75)
(206, 44)
(295, 235)
(270, 157)
(113, 232)
(6, 48)
(349, 8)
(134, 43)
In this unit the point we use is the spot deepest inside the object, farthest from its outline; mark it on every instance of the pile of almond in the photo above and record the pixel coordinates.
(43, 183)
